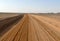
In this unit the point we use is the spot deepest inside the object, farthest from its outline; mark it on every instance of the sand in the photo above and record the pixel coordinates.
(34, 28)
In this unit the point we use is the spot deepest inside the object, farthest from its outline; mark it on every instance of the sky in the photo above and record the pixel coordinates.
(30, 6)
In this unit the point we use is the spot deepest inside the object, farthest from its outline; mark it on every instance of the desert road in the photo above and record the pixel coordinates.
(32, 28)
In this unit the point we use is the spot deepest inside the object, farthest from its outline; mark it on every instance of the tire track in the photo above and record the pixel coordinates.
(50, 29)
(33, 28)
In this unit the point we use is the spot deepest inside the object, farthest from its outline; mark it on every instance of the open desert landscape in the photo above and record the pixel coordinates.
(29, 20)
(30, 27)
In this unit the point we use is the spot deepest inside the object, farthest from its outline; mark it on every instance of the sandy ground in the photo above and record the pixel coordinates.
(3, 16)
(7, 23)
(34, 28)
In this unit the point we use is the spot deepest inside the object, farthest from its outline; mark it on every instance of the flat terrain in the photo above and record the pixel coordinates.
(31, 27)
(4, 15)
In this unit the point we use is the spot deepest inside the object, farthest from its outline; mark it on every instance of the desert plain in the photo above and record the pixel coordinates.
(29, 27)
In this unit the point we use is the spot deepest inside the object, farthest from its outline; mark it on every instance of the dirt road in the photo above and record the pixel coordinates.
(34, 28)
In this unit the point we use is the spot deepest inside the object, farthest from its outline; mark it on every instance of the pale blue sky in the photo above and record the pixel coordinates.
(30, 6)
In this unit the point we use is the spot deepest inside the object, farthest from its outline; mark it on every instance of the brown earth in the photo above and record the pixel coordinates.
(32, 28)
(4, 15)
(7, 23)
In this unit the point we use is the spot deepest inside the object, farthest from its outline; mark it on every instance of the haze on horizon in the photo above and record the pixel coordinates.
(30, 6)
